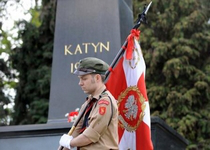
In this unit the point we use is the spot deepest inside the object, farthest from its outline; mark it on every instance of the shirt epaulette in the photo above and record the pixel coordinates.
(104, 94)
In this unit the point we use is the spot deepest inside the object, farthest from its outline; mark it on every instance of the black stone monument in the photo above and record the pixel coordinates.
(83, 28)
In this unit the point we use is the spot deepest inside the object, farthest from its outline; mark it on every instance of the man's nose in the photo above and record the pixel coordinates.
(80, 82)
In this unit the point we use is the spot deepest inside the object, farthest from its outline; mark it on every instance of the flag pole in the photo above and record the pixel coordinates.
(141, 19)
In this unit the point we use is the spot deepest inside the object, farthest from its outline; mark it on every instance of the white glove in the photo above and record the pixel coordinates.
(65, 141)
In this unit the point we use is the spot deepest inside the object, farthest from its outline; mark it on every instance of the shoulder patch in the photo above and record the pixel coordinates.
(102, 110)
(103, 102)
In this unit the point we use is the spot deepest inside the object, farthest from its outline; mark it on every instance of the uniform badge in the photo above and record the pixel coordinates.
(102, 110)
(103, 102)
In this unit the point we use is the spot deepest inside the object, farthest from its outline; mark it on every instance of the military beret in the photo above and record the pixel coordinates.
(91, 65)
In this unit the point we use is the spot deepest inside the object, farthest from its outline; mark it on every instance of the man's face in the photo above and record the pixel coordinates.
(87, 83)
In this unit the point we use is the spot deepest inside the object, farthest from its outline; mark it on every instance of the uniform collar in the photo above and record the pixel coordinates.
(102, 90)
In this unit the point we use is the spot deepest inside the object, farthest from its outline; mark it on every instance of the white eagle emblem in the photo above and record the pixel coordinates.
(131, 105)
(132, 108)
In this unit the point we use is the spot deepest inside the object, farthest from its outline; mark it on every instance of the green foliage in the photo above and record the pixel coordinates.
(33, 62)
(176, 49)
(5, 70)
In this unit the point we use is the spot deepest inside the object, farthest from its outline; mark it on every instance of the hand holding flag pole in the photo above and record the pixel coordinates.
(141, 19)
(74, 125)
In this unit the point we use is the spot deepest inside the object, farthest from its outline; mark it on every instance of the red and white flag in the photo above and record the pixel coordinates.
(127, 84)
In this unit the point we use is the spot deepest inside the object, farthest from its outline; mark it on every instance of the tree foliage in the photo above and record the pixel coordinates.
(176, 50)
(33, 62)
(6, 75)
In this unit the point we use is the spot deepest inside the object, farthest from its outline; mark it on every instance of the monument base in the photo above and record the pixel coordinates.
(46, 136)
(164, 137)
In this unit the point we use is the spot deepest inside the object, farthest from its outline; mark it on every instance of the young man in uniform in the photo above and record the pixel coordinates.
(98, 128)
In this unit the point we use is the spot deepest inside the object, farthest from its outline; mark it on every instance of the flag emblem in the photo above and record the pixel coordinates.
(131, 108)
(136, 58)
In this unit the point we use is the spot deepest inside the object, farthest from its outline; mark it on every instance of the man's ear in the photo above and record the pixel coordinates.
(98, 77)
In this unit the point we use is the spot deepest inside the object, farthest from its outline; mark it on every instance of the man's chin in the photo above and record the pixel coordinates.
(86, 92)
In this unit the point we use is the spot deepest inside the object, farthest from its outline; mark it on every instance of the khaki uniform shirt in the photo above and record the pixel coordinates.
(103, 136)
